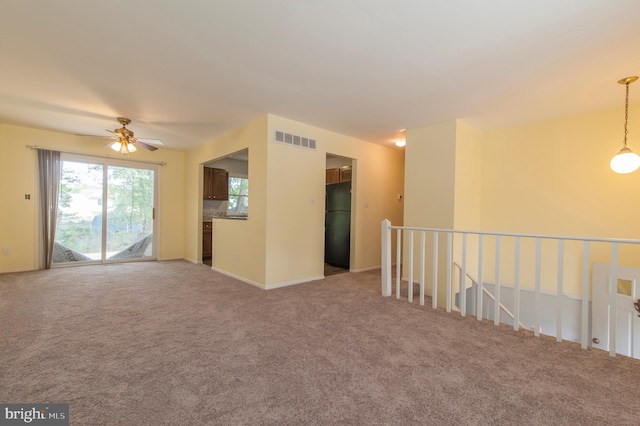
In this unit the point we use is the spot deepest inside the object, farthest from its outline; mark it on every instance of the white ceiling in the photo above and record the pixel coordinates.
(186, 72)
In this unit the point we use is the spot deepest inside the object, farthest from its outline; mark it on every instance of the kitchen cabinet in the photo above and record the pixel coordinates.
(345, 174)
(207, 241)
(337, 175)
(216, 184)
(333, 176)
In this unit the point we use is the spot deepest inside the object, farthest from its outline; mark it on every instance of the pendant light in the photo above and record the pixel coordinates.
(626, 161)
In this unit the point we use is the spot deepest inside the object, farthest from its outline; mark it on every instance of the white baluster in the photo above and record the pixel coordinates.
(496, 306)
(480, 289)
(613, 291)
(398, 261)
(410, 286)
(537, 308)
(584, 326)
(560, 295)
(422, 255)
(463, 277)
(449, 244)
(386, 257)
(516, 286)
(434, 287)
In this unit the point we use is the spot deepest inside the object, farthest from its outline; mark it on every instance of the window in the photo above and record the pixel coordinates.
(238, 203)
(105, 210)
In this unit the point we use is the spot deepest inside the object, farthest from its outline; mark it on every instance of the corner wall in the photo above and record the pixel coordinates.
(443, 181)
(296, 204)
(239, 245)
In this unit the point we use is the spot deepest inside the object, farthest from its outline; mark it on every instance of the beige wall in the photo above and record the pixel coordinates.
(443, 181)
(19, 176)
(468, 177)
(295, 236)
(429, 178)
(282, 242)
(553, 177)
(549, 177)
(239, 246)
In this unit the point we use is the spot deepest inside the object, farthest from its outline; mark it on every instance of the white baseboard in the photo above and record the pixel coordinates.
(371, 268)
(239, 278)
(287, 284)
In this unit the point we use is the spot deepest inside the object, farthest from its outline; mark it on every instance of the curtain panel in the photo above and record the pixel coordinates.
(50, 169)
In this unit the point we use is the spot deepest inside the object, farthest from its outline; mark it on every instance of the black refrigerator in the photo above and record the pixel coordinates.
(337, 224)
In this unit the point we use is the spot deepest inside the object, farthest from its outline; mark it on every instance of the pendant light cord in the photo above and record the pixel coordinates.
(626, 113)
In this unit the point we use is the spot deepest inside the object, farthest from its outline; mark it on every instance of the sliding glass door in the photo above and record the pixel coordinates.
(105, 211)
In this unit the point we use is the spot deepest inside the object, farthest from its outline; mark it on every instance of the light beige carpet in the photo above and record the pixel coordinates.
(175, 343)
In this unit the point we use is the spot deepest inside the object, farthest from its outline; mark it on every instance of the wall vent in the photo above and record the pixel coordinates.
(294, 140)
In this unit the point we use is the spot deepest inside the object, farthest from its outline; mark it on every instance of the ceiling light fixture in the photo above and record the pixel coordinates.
(401, 142)
(626, 161)
(123, 146)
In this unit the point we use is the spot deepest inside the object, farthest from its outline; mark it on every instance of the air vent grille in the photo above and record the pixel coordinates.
(294, 140)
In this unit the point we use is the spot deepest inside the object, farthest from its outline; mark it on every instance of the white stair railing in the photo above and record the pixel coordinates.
(474, 284)
(408, 264)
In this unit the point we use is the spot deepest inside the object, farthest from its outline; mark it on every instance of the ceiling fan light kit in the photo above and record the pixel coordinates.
(125, 142)
(625, 161)
(123, 147)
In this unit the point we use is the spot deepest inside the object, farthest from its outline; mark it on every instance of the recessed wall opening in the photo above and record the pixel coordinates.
(225, 195)
(338, 217)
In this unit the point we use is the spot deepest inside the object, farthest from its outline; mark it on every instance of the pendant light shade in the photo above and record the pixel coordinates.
(626, 161)
(123, 147)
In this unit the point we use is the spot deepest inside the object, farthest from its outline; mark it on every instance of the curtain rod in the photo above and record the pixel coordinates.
(159, 163)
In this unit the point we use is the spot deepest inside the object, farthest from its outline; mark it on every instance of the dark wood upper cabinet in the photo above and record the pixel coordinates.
(345, 174)
(216, 184)
(333, 176)
(342, 174)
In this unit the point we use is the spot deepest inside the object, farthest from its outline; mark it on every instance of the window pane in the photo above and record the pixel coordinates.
(79, 227)
(83, 233)
(129, 212)
(624, 287)
(238, 196)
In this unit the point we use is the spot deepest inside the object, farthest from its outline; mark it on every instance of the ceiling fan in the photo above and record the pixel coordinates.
(124, 140)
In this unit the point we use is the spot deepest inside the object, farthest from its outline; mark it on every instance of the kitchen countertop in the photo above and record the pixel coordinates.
(210, 219)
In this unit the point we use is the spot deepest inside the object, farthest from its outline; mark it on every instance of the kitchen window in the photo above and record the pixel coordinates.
(238, 204)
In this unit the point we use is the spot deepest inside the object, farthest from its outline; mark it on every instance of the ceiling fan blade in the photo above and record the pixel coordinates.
(144, 145)
(148, 140)
(110, 143)
(94, 136)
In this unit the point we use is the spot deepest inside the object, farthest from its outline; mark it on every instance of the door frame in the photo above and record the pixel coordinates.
(600, 306)
(115, 162)
(354, 179)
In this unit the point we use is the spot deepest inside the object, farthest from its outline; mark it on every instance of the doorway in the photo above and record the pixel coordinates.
(627, 321)
(338, 218)
(106, 211)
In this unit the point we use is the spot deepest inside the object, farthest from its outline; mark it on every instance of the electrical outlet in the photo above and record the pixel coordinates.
(6, 251)
(237, 257)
